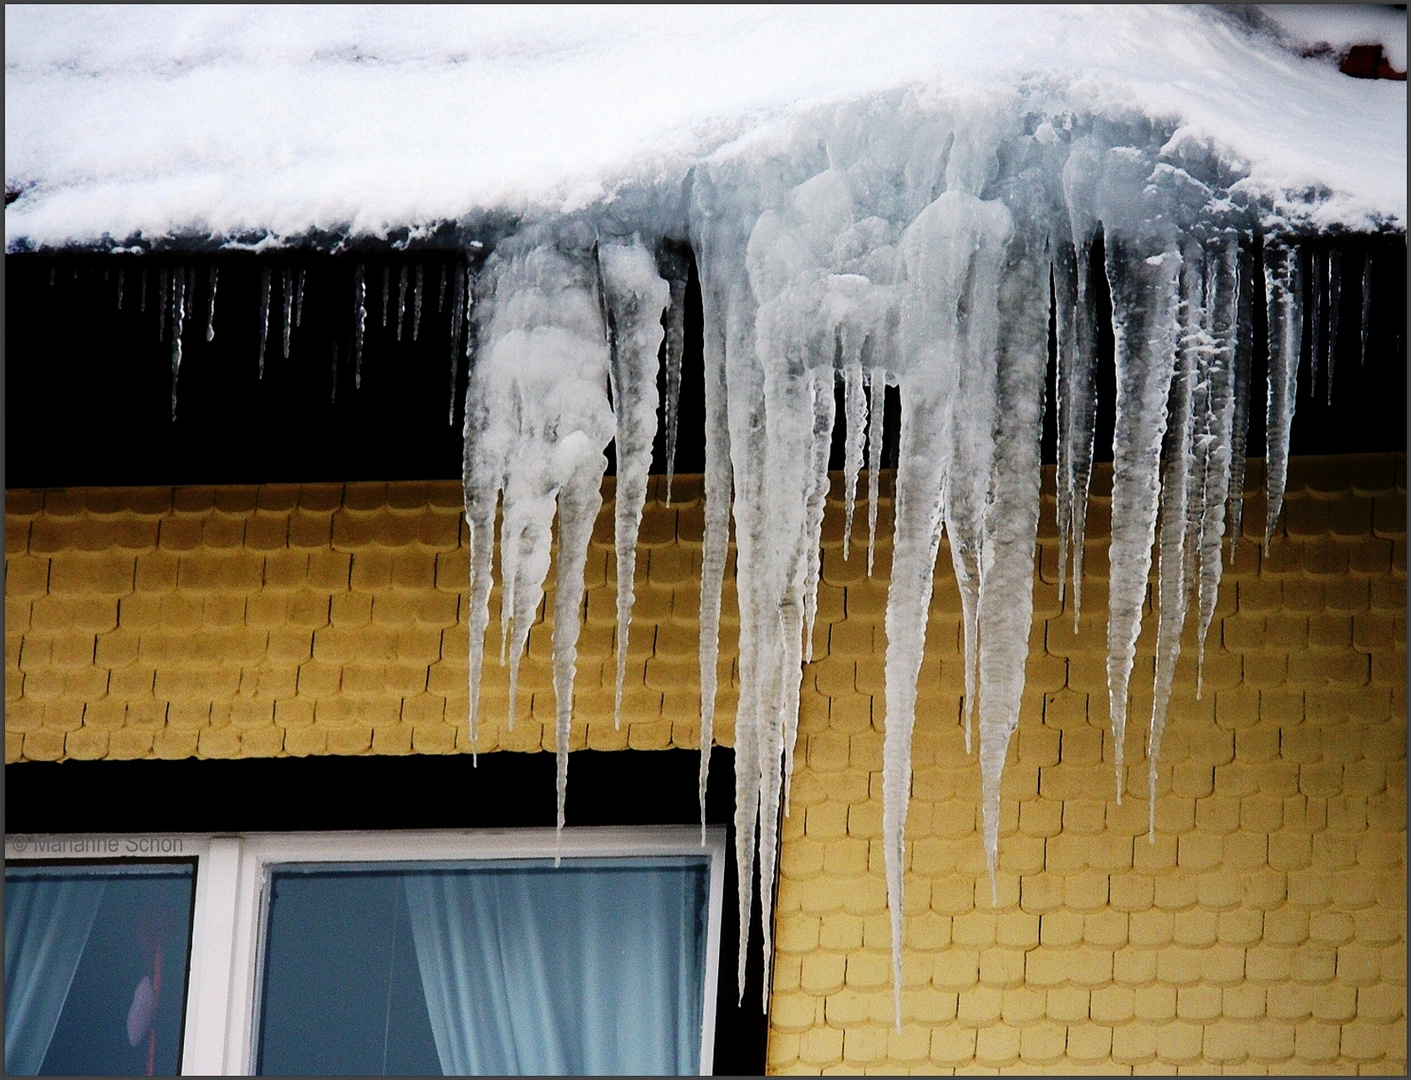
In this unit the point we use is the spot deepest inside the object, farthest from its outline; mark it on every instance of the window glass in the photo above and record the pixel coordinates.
(596, 966)
(96, 960)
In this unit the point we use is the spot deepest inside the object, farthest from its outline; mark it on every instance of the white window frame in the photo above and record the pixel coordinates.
(232, 885)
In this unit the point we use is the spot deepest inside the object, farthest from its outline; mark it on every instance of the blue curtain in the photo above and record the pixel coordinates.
(581, 970)
(47, 923)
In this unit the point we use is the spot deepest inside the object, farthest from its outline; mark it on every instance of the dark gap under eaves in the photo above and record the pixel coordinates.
(88, 386)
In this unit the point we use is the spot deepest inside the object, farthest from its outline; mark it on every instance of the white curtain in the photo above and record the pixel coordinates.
(47, 923)
(580, 970)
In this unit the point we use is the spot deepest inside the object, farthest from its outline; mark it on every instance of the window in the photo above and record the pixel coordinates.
(375, 953)
(95, 966)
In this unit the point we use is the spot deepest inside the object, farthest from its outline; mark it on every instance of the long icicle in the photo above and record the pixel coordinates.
(1144, 307)
(635, 297)
(1283, 287)
(1178, 466)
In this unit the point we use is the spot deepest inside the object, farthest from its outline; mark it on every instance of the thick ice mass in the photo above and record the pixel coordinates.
(926, 244)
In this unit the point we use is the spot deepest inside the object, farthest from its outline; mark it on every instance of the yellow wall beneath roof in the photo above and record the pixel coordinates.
(1263, 931)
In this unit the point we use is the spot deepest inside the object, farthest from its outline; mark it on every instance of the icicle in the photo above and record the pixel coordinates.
(1179, 466)
(1248, 267)
(1366, 303)
(635, 297)
(401, 299)
(299, 302)
(1283, 288)
(264, 316)
(1319, 341)
(457, 314)
(1076, 389)
(716, 488)
(143, 305)
(211, 304)
(416, 304)
(1334, 313)
(824, 410)
(386, 287)
(1144, 310)
(676, 272)
(958, 240)
(162, 305)
(1219, 373)
(178, 321)
(441, 294)
(122, 271)
(288, 308)
(877, 392)
(189, 302)
(855, 409)
(536, 400)
(359, 324)
(333, 393)
(1011, 519)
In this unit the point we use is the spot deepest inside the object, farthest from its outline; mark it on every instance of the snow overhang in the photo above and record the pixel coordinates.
(199, 127)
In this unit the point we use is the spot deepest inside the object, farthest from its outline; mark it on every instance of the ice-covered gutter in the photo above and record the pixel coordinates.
(941, 196)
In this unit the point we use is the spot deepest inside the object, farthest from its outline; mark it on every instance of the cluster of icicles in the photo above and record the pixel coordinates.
(176, 300)
(923, 245)
(924, 250)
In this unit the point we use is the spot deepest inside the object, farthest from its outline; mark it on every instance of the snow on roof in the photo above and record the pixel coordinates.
(229, 122)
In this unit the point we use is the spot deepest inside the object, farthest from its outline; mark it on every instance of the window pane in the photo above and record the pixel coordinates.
(597, 966)
(95, 967)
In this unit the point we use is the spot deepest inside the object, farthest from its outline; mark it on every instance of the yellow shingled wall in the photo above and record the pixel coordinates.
(1263, 931)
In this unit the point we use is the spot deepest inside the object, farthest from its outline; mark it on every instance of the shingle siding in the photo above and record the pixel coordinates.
(1262, 931)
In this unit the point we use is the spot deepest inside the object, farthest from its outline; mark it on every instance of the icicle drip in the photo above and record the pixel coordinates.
(441, 293)
(333, 377)
(359, 324)
(122, 272)
(1179, 466)
(1334, 314)
(178, 322)
(537, 420)
(386, 290)
(264, 316)
(1243, 363)
(416, 304)
(190, 301)
(877, 394)
(855, 411)
(299, 302)
(401, 299)
(211, 304)
(1319, 343)
(1075, 389)
(458, 305)
(288, 308)
(636, 297)
(1283, 289)
(1366, 303)
(1217, 374)
(142, 300)
(1144, 313)
(162, 306)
